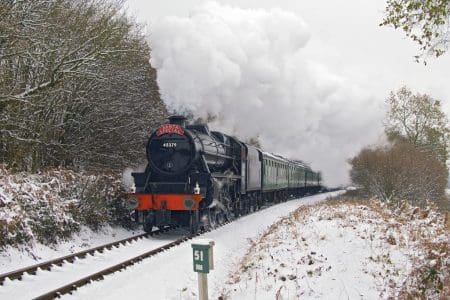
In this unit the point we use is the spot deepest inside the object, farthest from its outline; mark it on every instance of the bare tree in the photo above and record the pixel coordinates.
(418, 119)
(399, 172)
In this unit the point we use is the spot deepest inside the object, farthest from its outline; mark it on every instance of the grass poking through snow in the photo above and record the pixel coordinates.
(347, 249)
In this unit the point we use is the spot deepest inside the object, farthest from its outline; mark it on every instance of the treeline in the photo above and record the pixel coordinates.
(412, 165)
(76, 86)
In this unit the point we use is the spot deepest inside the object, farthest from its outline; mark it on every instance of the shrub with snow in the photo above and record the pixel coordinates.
(53, 205)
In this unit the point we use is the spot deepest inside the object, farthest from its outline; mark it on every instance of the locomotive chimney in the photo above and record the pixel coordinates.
(178, 120)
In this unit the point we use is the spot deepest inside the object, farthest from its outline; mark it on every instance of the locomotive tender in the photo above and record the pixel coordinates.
(197, 177)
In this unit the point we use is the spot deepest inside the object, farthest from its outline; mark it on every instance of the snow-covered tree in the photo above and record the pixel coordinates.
(76, 86)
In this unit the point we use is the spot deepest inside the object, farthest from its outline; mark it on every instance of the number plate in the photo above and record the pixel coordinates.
(170, 145)
(200, 258)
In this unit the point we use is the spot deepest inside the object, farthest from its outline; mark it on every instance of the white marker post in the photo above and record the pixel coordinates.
(202, 254)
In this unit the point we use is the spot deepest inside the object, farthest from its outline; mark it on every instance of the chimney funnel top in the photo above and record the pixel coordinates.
(178, 120)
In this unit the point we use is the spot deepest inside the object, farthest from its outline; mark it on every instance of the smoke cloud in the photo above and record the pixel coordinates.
(247, 68)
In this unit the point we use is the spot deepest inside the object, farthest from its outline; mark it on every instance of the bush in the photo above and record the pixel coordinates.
(49, 224)
(13, 232)
(53, 205)
(100, 201)
(400, 172)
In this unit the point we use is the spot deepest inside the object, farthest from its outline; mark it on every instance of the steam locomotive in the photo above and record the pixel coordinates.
(197, 177)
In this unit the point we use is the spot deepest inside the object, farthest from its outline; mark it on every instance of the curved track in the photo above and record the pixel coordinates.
(72, 286)
(99, 275)
(48, 265)
(69, 288)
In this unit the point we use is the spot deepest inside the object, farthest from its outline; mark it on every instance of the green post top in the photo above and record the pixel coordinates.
(199, 246)
(202, 255)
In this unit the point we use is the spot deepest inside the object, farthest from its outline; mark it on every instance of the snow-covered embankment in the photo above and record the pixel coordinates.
(346, 250)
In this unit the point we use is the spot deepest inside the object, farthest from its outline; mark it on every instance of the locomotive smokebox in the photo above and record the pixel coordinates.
(178, 120)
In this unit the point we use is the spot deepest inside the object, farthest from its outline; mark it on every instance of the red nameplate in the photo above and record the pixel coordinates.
(169, 128)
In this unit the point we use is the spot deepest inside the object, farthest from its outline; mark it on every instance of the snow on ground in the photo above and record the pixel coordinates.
(343, 251)
(304, 248)
(15, 258)
(169, 275)
(32, 286)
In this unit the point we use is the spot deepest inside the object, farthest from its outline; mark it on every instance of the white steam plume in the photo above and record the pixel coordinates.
(247, 68)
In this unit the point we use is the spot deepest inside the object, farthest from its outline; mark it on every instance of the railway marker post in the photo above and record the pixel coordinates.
(202, 255)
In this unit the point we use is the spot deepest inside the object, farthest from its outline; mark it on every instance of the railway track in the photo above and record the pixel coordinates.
(72, 286)
(48, 265)
(69, 288)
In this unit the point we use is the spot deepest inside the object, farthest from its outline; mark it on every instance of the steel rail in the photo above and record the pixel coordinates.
(69, 288)
(47, 265)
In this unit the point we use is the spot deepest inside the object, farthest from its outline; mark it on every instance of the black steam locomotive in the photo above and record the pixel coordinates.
(197, 177)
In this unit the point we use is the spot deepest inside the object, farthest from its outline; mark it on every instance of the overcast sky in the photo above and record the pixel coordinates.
(341, 47)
